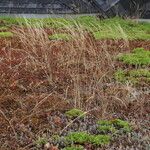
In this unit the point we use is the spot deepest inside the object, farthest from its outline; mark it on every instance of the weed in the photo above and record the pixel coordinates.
(73, 113)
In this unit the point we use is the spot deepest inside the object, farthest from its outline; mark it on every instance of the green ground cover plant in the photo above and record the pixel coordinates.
(83, 138)
(139, 56)
(60, 36)
(41, 79)
(99, 140)
(3, 28)
(5, 34)
(114, 28)
(134, 76)
(41, 141)
(114, 126)
(78, 137)
(74, 147)
(73, 113)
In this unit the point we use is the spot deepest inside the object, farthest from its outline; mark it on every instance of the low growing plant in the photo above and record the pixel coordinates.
(78, 137)
(5, 34)
(41, 141)
(134, 76)
(83, 138)
(114, 126)
(60, 36)
(73, 113)
(100, 139)
(107, 129)
(122, 125)
(74, 147)
(138, 57)
(3, 28)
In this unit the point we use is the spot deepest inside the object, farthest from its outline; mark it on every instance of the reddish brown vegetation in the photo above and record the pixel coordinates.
(37, 80)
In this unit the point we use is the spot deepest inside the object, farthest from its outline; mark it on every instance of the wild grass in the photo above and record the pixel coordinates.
(79, 66)
(85, 66)
(76, 72)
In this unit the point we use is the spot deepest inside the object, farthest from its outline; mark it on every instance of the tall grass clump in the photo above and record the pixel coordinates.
(76, 70)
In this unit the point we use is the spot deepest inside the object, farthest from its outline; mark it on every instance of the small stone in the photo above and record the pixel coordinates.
(47, 146)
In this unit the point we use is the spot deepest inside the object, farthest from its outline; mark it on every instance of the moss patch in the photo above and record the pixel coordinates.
(74, 147)
(83, 138)
(61, 36)
(100, 139)
(41, 141)
(73, 113)
(138, 57)
(3, 28)
(78, 137)
(5, 34)
(113, 126)
(135, 76)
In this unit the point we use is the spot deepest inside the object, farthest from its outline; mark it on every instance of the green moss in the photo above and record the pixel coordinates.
(138, 57)
(83, 138)
(135, 76)
(3, 28)
(5, 34)
(122, 125)
(113, 126)
(74, 147)
(100, 139)
(78, 137)
(107, 129)
(140, 73)
(104, 122)
(120, 75)
(73, 113)
(61, 36)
